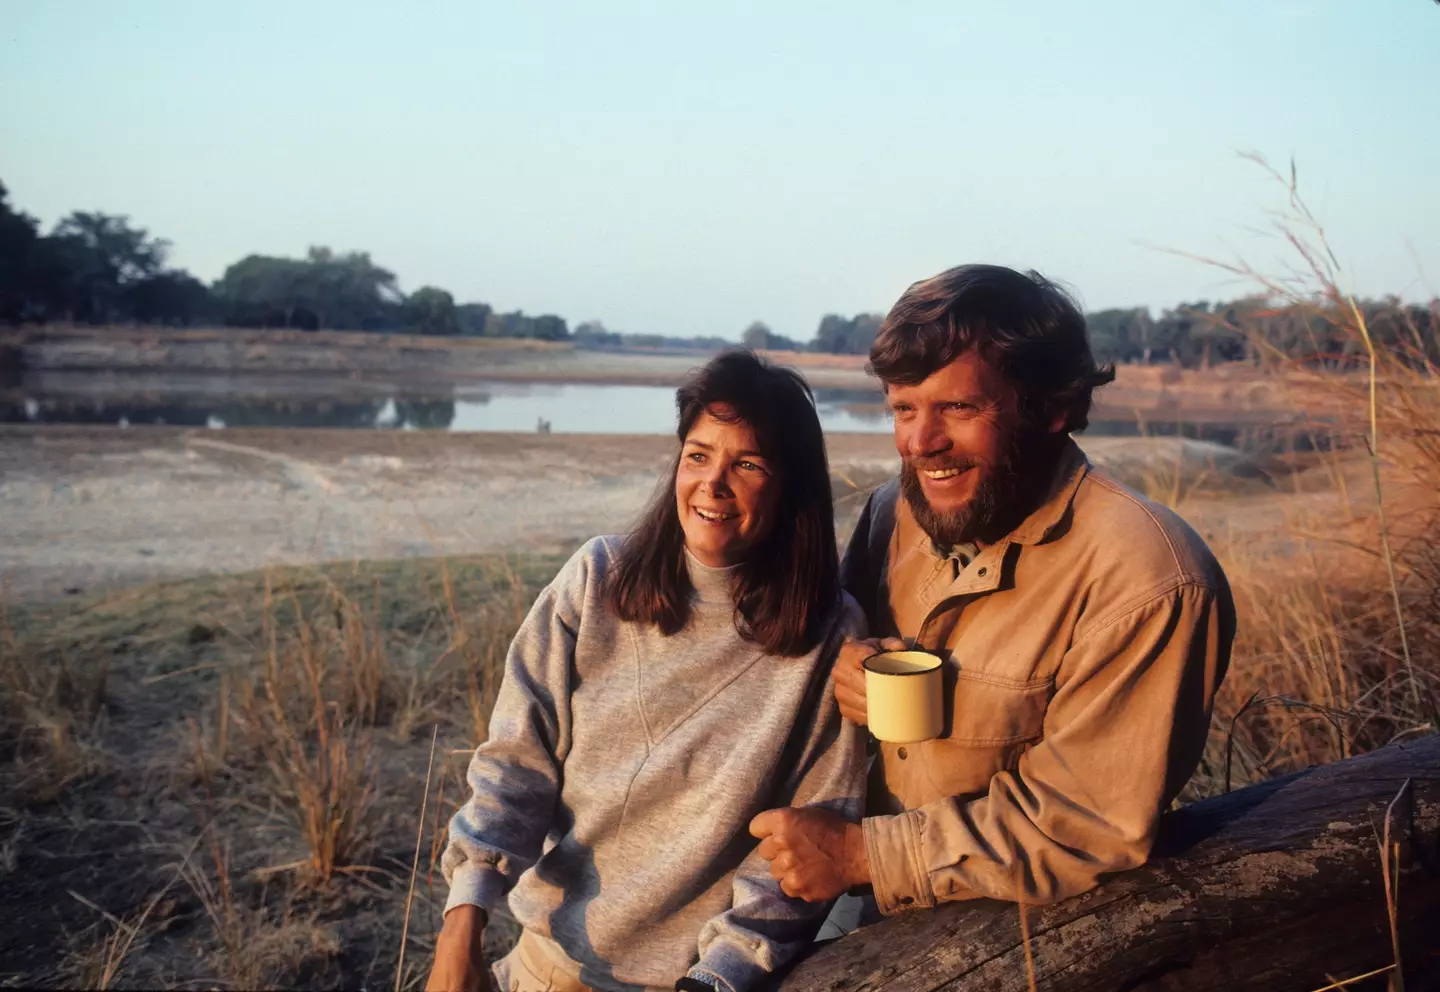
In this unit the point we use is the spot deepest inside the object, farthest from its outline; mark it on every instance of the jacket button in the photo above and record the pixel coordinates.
(902, 754)
(982, 572)
(906, 900)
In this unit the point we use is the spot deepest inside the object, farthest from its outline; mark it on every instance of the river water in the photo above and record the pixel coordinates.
(570, 408)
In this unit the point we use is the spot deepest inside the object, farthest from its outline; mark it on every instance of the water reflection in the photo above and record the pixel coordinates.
(398, 412)
(585, 408)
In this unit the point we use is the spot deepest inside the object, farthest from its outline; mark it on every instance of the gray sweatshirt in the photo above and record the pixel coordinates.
(613, 797)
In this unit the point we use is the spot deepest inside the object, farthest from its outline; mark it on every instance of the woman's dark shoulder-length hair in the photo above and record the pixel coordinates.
(789, 585)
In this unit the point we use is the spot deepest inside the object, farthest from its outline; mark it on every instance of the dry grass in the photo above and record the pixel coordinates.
(50, 716)
(1338, 650)
(273, 717)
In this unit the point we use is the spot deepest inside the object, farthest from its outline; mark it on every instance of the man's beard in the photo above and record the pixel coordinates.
(995, 506)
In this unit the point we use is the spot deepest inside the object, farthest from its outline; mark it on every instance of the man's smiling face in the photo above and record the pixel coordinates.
(959, 435)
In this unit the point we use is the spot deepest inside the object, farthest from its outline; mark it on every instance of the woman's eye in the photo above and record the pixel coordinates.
(751, 466)
(696, 456)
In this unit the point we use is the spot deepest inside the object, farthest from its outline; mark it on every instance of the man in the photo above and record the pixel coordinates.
(1085, 630)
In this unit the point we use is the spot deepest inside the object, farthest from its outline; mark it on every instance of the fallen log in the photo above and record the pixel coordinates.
(1277, 886)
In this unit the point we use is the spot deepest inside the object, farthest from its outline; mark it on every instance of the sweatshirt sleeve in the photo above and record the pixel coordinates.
(514, 776)
(1122, 734)
(764, 928)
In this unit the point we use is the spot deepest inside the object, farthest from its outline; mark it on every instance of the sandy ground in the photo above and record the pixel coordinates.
(91, 508)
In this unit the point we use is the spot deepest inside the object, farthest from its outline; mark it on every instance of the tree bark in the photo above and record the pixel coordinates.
(1273, 887)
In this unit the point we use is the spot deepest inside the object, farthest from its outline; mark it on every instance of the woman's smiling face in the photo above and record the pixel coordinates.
(726, 492)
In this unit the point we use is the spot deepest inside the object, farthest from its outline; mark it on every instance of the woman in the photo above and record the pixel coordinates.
(665, 688)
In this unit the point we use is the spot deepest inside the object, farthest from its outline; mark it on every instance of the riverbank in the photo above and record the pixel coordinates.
(95, 508)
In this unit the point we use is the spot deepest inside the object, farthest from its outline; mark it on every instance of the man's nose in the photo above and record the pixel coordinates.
(924, 436)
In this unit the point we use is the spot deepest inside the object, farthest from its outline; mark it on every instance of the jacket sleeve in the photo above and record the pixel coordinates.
(514, 776)
(764, 928)
(1123, 732)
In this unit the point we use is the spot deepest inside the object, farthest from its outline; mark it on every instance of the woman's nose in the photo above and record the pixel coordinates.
(716, 483)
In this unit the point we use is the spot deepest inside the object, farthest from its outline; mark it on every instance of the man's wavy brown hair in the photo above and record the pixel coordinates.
(1028, 327)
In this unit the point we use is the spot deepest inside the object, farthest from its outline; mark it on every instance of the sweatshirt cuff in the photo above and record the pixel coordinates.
(728, 968)
(476, 885)
(897, 873)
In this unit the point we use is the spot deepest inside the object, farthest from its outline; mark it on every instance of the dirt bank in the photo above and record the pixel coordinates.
(91, 508)
(98, 507)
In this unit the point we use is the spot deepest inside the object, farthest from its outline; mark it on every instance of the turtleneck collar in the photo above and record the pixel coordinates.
(712, 585)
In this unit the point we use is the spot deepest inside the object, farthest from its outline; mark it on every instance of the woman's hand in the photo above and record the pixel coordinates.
(459, 957)
(849, 677)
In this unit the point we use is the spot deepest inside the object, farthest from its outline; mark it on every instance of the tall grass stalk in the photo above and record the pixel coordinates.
(1326, 662)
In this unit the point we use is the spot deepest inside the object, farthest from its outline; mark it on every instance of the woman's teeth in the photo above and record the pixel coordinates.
(942, 473)
(714, 517)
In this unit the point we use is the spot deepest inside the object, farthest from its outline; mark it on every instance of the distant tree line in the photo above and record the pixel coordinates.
(96, 268)
(1198, 335)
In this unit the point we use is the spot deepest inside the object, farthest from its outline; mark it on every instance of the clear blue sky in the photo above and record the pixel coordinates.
(687, 168)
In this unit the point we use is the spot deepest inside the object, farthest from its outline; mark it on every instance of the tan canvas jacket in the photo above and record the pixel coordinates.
(1083, 653)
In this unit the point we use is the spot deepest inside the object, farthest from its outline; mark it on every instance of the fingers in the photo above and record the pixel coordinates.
(772, 822)
(769, 847)
(852, 705)
(852, 679)
(783, 865)
(853, 652)
(893, 644)
(764, 824)
(849, 683)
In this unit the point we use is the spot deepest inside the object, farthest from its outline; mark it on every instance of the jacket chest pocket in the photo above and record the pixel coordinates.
(984, 710)
(990, 721)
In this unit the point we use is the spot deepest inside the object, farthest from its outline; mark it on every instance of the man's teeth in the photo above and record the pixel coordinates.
(714, 517)
(942, 473)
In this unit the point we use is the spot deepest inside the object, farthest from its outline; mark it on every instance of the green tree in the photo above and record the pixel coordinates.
(431, 310)
(839, 335)
(759, 337)
(548, 327)
(1121, 335)
(349, 291)
(756, 336)
(592, 334)
(172, 297)
(323, 290)
(21, 265)
(261, 291)
(103, 256)
(471, 318)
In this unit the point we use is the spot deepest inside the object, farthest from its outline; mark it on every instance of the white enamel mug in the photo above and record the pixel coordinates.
(904, 696)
